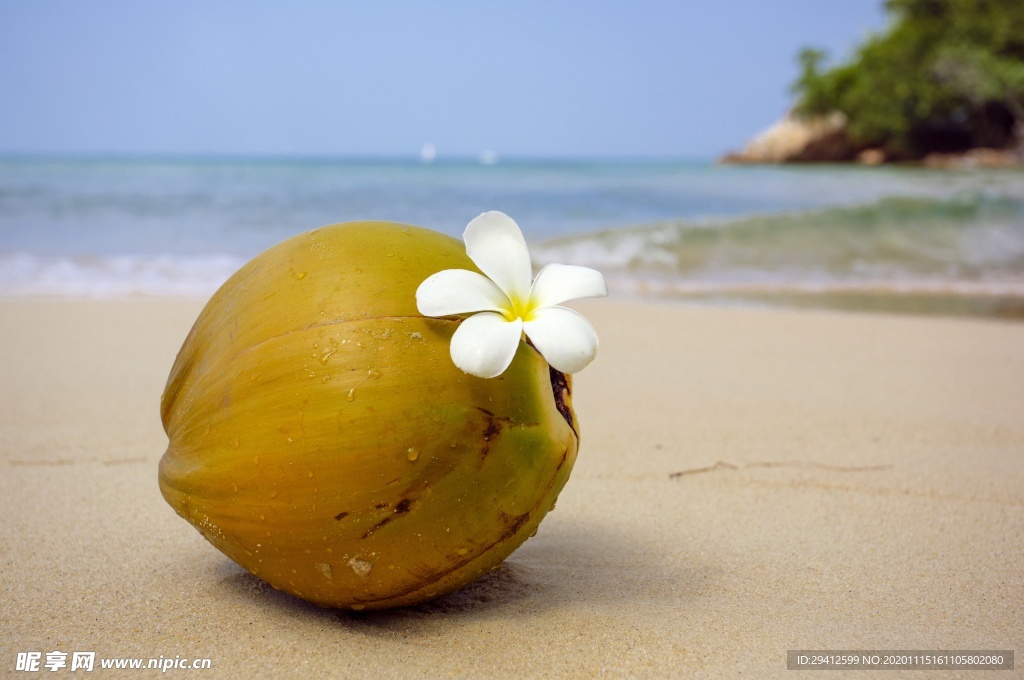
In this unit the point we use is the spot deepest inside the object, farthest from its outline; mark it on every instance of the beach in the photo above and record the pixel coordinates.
(749, 481)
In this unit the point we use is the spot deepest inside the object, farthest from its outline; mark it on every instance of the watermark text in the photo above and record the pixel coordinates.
(56, 660)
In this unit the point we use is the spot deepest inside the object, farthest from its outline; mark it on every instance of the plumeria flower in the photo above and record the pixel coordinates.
(505, 303)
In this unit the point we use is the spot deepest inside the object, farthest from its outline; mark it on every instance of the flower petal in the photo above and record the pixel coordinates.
(557, 283)
(459, 291)
(496, 245)
(484, 344)
(564, 338)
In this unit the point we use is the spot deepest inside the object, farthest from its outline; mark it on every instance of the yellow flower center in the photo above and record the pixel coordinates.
(520, 309)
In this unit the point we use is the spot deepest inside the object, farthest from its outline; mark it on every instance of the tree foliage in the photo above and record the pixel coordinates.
(946, 75)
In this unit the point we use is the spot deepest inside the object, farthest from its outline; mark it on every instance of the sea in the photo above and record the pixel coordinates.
(891, 239)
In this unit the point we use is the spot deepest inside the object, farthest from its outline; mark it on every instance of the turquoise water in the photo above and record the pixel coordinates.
(113, 227)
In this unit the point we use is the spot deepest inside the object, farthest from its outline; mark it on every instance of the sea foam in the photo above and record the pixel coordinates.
(115, 276)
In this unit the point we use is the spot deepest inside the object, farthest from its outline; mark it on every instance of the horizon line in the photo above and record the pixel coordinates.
(440, 159)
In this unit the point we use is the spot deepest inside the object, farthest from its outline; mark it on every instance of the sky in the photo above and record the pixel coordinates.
(648, 78)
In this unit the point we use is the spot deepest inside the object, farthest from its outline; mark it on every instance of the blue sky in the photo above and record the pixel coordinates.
(687, 78)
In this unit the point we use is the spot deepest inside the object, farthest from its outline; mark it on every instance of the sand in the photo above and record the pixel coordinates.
(749, 482)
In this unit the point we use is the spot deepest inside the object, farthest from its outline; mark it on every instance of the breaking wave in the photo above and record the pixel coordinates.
(970, 244)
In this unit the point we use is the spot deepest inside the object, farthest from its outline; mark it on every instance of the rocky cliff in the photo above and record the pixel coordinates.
(823, 139)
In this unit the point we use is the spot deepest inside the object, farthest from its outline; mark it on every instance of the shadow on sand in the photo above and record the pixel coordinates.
(572, 564)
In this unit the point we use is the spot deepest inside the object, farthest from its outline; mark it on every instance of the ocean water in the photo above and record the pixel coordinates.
(890, 238)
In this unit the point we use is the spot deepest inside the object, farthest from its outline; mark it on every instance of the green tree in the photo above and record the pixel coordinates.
(945, 75)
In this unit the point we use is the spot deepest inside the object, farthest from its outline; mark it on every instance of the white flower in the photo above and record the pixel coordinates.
(508, 305)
